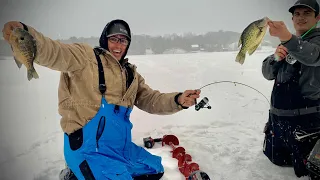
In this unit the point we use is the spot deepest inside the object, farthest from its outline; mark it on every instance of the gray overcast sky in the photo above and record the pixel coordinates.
(84, 18)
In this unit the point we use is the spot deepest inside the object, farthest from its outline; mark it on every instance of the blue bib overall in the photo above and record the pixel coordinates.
(103, 148)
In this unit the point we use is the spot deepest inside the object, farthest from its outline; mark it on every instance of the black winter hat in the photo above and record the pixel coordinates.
(117, 26)
(312, 4)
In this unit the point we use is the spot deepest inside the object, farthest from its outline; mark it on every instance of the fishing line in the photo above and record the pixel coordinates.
(310, 29)
(205, 100)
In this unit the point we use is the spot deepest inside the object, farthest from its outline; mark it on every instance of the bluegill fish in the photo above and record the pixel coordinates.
(24, 50)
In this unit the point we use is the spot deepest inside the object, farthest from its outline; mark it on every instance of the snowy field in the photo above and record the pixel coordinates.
(226, 141)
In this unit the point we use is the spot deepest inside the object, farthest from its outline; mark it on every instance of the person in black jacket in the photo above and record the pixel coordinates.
(295, 99)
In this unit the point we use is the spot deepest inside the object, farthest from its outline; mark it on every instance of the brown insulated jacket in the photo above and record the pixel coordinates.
(78, 93)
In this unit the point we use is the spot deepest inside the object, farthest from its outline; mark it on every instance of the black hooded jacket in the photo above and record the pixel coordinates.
(306, 51)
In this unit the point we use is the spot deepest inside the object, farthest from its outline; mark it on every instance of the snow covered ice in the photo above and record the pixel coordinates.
(226, 141)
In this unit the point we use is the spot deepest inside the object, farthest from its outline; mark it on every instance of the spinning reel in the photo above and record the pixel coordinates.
(202, 103)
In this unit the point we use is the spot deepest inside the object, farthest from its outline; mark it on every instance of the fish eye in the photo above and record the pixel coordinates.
(22, 38)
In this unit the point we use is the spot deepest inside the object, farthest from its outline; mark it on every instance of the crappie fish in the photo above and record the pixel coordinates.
(251, 37)
(24, 50)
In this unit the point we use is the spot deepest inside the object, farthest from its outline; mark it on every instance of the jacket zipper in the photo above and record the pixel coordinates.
(124, 85)
(122, 71)
(134, 77)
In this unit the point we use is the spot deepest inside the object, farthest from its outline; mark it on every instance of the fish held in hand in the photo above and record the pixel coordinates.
(251, 38)
(24, 50)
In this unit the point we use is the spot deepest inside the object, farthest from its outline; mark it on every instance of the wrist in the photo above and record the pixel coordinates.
(286, 37)
(176, 100)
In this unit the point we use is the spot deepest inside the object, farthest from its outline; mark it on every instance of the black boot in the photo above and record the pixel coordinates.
(149, 177)
(67, 174)
(314, 177)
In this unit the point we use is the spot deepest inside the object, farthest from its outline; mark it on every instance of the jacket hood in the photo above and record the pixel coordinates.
(103, 38)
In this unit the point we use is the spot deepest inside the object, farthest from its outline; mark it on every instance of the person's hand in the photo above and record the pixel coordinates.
(8, 27)
(188, 97)
(280, 53)
(280, 30)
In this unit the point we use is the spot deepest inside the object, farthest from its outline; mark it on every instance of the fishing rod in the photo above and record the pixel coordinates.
(205, 100)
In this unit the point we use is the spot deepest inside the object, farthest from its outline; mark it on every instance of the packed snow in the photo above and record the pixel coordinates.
(226, 140)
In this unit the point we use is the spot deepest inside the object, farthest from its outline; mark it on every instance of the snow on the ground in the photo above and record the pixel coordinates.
(226, 141)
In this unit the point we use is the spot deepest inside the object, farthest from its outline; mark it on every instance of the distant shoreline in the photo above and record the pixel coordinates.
(6, 58)
(264, 50)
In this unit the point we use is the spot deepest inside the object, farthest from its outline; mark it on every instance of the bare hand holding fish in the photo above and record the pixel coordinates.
(280, 30)
(8, 27)
(23, 47)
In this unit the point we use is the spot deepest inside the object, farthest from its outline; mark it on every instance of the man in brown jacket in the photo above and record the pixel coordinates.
(97, 91)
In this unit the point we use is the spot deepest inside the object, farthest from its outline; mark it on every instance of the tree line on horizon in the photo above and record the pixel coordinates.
(208, 42)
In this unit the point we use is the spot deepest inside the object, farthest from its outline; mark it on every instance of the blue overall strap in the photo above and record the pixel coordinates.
(102, 84)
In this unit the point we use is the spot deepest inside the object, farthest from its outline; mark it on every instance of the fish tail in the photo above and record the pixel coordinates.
(32, 73)
(241, 56)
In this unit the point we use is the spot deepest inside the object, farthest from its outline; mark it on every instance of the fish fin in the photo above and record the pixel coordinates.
(253, 49)
(240, 42)
(241, 56)
(19, 64)
(32, 73)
